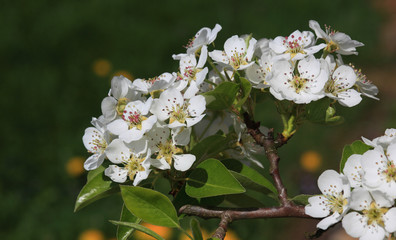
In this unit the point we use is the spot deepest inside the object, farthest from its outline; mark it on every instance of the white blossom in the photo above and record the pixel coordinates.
(340, 86)
(149, 85)
(373, 219)
(296, 46)
(334, 203)
(237, 54)
(96, 140)
(336, 41)
(384, 141)
(180, 112)
(304, 87)
(203, 37)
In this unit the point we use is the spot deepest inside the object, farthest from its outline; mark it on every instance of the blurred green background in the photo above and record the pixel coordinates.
(56, 62)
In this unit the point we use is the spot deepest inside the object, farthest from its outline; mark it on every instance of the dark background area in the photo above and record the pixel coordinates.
(56, 62)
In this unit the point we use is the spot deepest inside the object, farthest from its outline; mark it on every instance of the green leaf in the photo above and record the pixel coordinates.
(149, 205)
(138, 227)
(316, 110)
(246, 87)
(242, 200)
(124, 232)
(98, 186)
(357, 147)
(248, 177)
(209, 147)
(196, 229)
(301, 199)
(222, 96)
(211, 178)
(182, 199)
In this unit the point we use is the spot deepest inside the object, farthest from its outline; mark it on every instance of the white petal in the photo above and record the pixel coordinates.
(202, 57)
(352, 170)
(192, 121)
(159, 109)
(354, 224)
(219, 56)
(197, 105)
(390, 220)
(117, 151)
(91, 136)
(119, 86)
(181, 136)
(117, 126)
(160, 163)
(138, 147)
(375, 232)
(330, 182)
(133, 134)
(191, 90)
(314, 25)
(360, 199)
(183, 162)
(141, 175)
(94, 161)
(108, 107)
(234, 45)
(330, 220)
(373, 162)
(116, 173)
(317, 207)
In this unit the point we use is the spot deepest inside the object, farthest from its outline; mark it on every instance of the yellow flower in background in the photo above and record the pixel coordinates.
(124, 73)
(162, 231)
(91, 234)
(75, 166)
(101, 67)
(311, 161)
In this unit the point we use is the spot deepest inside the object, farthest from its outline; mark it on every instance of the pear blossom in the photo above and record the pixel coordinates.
(180, 112)
(150, 85)
(168, 154)
(365, 86)
(384, 141)
(373, 218)
(260, 73)
(296, 46)
(335, 41)
(136, 164)
(203, 37)
(134, 122)
(96, 140)
(120, 94)
(192, 73)
(237, 54)
(380, 170)
(334, 203)
(300, 88)
(340, 86)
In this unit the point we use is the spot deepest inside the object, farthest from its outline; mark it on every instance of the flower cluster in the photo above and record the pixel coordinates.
(363, 197)
(148, 123)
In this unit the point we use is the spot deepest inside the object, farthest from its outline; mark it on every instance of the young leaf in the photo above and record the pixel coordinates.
(138, 227)
(149, 205)
(209, 147)
(316, 110)
(246, 87)
(357, 147)
(301, 199)
(222, 96)
(248, 177)
(211, 178)
(124, 232)
(97, 187)
(196, 229)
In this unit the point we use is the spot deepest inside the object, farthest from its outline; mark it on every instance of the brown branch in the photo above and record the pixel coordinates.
(238, 214)
(270, 146)
(222, 229)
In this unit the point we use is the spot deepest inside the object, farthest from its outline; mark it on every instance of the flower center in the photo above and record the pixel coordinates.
(238, 59)
(331, 47)
(99, 145)
(134, 119)
(134, 165)
(337, 203)
(122, 102)
(293, 47)
(374, 214)
(152, 80)
(167, 150)
(298, 83)
(178, 114)
(190, 72)
(390, 172)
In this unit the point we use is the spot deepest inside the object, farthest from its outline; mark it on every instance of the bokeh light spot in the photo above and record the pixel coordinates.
(101, 67)
(75, 166)
(91, 234)
(311, 161)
